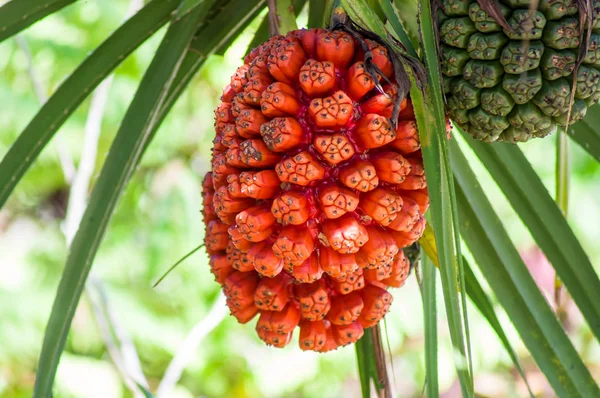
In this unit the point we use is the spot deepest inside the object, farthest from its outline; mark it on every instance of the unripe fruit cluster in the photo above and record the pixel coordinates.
(313, 193)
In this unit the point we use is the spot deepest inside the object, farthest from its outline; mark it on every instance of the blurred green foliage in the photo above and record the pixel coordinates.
(158, 220)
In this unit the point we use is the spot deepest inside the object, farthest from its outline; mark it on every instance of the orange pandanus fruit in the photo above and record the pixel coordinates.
(314, 189)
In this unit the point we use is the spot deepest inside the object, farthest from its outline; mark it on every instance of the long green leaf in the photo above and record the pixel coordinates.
(76, 88)
(428, 295)
(397, 28)
(587, 132)
(431, 121)
(364, 364)
(430, 115)
(122, 160)
(406, 11)
(515, 288)
(17, 15)
(548, 226)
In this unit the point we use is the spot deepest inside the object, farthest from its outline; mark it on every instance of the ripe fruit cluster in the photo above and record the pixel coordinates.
(313, 193)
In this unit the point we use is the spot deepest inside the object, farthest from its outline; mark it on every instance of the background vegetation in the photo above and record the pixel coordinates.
(123, 320)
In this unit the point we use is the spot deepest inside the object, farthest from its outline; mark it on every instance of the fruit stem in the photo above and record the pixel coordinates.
(562, 200)
(282, 18)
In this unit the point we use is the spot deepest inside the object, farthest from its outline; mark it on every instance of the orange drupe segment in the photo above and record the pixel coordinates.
(286, 59)
(300, 169)
(331, 112)
(347, 334)
(378, 251)
(259, 184)
(294, 245)
(359, 81)
(359, 175)
(282, 134)
(377, 303)
(279, 99)
(345, 309)
(400, 269)
(314, 300)
(336, 47)
(334, 148)
(313, 335)
(290, 208)
(382, 205)
(391, 167)
(272, 294)
(407, 138)
(336, 264)
(345, 235)
(309, 271)
(335, 201)
(255, 223)
(373, 131)
(264, 261)
(281, 322)
(317, 78)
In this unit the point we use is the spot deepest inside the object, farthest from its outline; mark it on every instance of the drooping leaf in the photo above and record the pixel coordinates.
(17, 15)
(76, 88)
(547, 224)
(406, 10)
(431, 121)
(121, 162)
(515, 288)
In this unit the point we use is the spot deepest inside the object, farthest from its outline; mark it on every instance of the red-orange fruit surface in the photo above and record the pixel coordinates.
(313, 193)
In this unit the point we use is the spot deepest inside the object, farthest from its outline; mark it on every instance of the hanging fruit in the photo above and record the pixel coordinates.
(317, 184)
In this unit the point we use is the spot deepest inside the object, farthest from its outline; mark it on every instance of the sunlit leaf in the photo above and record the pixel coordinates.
(17, 15)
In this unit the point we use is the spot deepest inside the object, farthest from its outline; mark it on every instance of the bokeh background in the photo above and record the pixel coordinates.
(125, 329)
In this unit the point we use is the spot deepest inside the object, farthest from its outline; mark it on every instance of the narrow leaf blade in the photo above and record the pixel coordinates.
(76, 88)
(17, 15)
(120, 164)
(428, 294)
